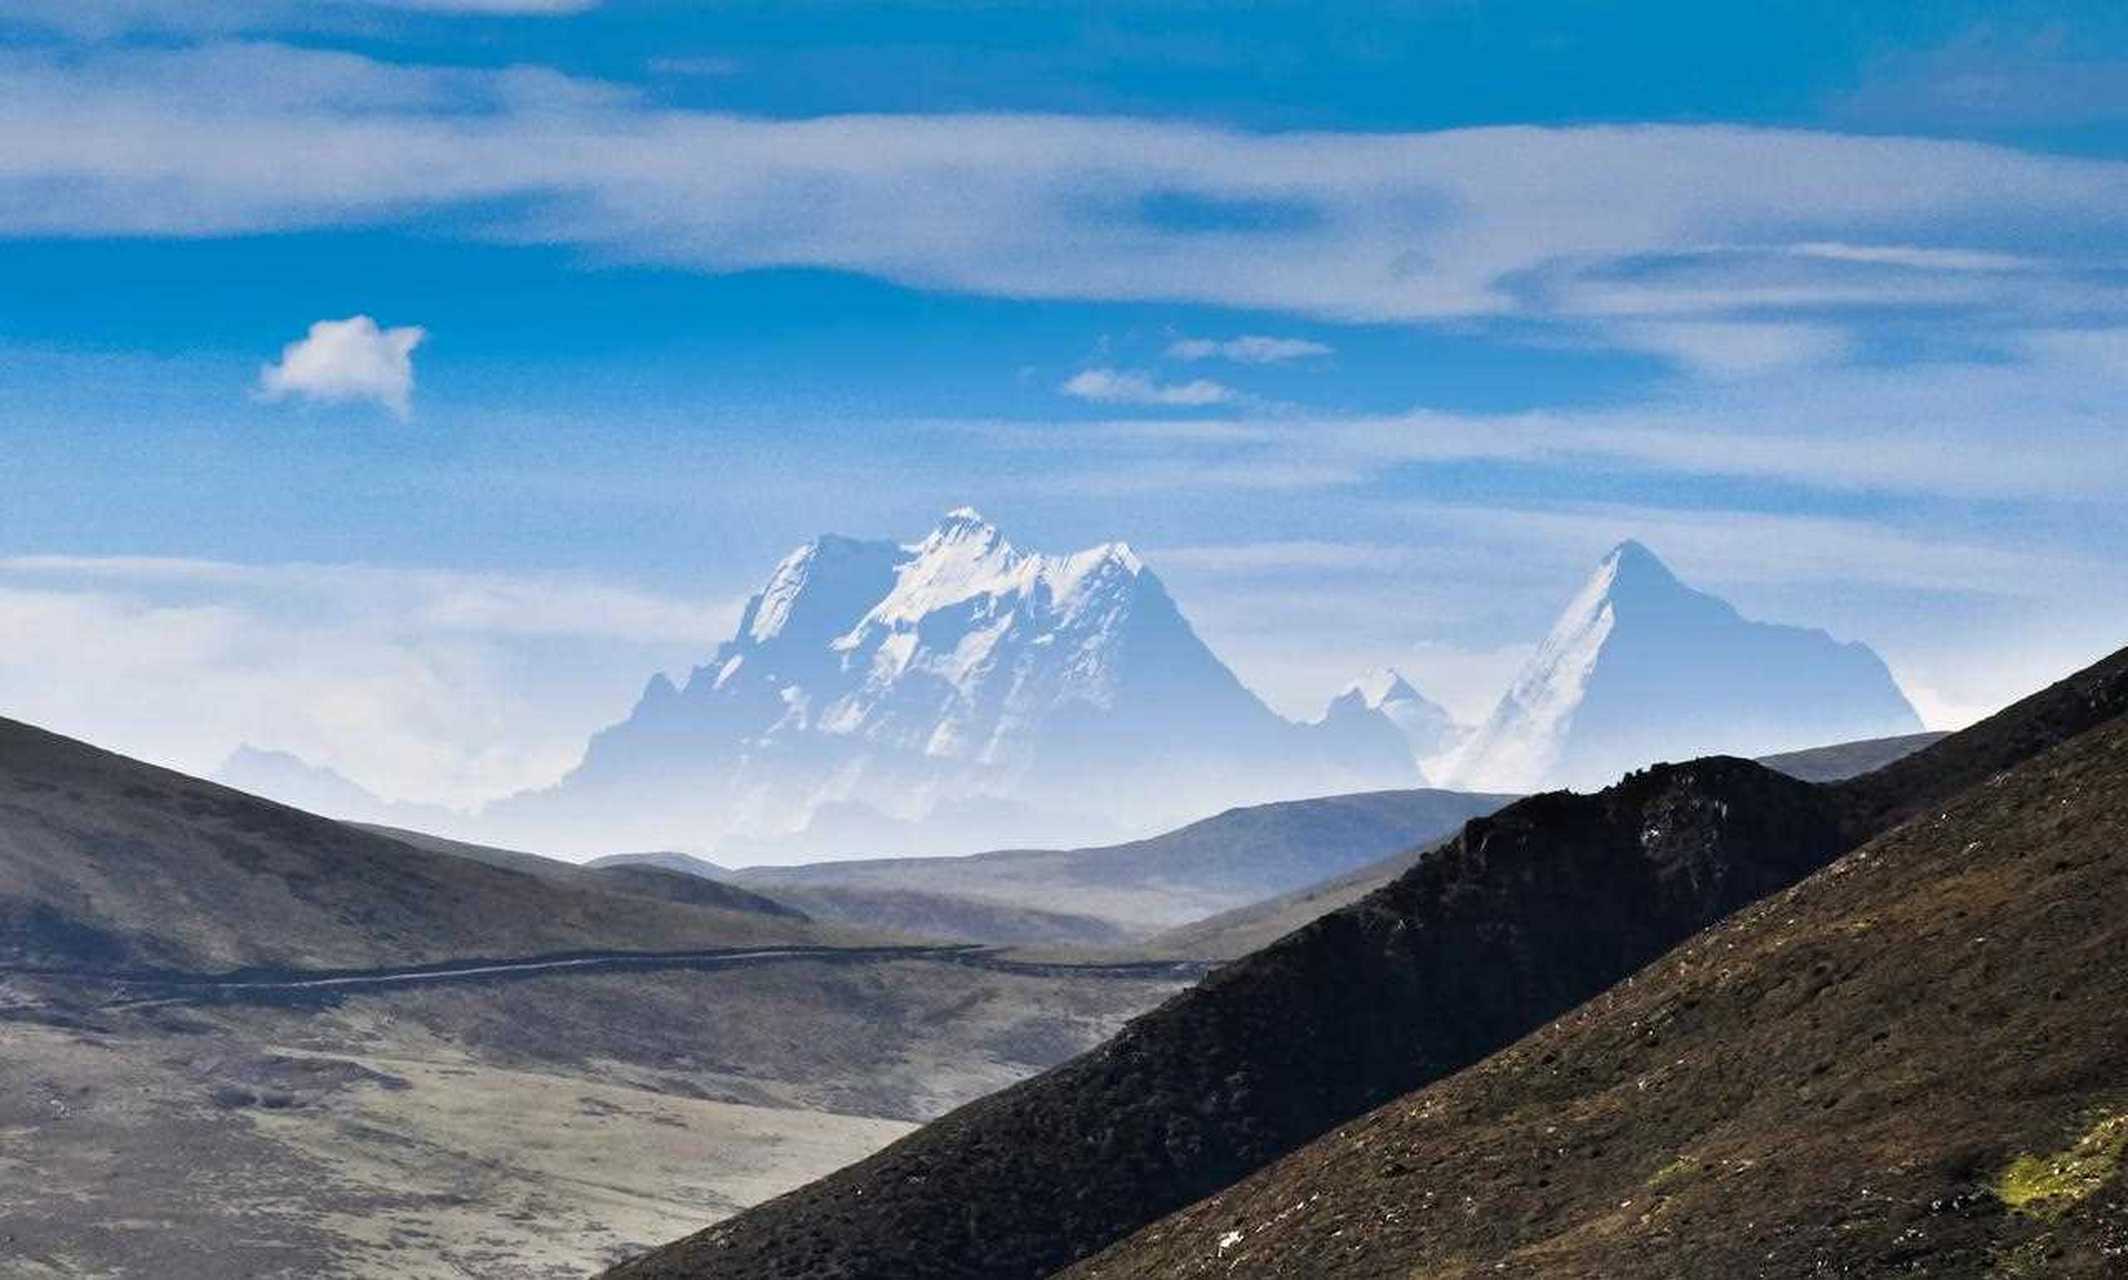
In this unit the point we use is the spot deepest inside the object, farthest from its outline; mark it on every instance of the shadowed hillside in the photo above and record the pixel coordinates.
(109, 863)
(1232, 934)
(1914, 1063)
(1523, 916)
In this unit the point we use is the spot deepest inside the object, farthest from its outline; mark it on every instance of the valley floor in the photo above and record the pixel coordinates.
(522, 1129)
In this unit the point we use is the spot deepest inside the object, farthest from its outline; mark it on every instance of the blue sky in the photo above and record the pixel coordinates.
(1371, 326)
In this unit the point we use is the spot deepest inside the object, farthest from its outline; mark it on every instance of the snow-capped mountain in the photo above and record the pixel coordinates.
(945, 695)
(1641, 668)
(1429, 731)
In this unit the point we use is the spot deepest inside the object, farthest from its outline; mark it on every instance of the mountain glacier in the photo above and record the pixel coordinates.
(1641, 668)
(948, 695)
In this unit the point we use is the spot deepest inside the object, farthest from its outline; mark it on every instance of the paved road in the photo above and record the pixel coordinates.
(143, 989)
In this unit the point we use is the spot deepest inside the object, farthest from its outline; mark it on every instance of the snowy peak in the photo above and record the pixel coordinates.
(966, 559)
(1641, 667)
(953, 675)
(1631, 567)
(812, 591)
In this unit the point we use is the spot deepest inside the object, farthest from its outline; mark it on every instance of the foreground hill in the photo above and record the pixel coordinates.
(1914, 1063)
(1218, 863)
(109, 863)
(1525, 915)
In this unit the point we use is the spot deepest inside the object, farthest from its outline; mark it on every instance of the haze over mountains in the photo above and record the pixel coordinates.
(944, 696)
(960, 694)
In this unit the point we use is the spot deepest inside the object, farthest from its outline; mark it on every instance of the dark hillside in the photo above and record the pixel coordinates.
(108, 863)
(1876, 801)
(1526, 914)
(1914, 1063)
(646, 876)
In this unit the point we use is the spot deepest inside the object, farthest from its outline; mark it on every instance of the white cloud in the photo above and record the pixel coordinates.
(1914, 256)
(2042, 426)
(1248, 349)
(1118, 386)
(1735, 348)
(1592, 222)
(351, 359)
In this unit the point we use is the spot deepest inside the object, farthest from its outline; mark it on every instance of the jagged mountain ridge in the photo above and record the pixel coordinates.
(1526, 914)
(1640, 667)
(945, 696)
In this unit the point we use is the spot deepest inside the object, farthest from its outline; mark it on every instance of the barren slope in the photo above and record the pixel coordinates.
(106, 862)
(1915, 1062)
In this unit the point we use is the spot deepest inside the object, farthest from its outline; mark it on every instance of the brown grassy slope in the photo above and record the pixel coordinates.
(1838, 1081)
(106, 862)
(1523, 916)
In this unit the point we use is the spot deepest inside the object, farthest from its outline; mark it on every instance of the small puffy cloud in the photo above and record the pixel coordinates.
(1119, 386)
(351, 359)
(1248, 349)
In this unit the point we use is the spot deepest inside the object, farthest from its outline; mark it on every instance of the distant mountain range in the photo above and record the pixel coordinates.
(958, 693)
(948, 695)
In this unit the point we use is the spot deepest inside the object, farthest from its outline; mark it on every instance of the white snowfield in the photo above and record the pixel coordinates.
(1641, 668)
(949, 695)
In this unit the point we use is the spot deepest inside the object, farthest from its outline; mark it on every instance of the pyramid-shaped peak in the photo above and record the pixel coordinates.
(1631, 564)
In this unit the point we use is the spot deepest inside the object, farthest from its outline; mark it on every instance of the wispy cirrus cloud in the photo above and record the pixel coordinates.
(2034, 424)
(1123, 386)
(1583, 224)
(1247, 349)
